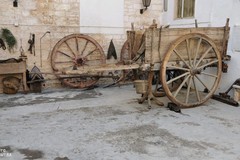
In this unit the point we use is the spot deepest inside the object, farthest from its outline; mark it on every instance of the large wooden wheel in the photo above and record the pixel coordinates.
(128, 57)
(73, 52)
(125, 55)
(198, 58)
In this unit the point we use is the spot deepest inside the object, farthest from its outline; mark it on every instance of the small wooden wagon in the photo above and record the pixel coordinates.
(190, 61)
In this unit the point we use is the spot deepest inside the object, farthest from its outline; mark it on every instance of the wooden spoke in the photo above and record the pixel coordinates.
(188, 52)
(170, 74)
(91, 52)
(178, 77)
(209, 74)
(85, 46)
(202, 82)
(70, 48)
(63, 62)
(65, 54)
(181, 58)
(196, 90)
(77, 46)
(179, 68)
(188, 89)
(204, 55)
(208, 64)
(181, 85)
(196, 53)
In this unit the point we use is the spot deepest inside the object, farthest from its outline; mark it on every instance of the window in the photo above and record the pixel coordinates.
(185, 8)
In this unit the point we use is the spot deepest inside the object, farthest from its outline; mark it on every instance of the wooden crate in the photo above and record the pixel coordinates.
(16, 69)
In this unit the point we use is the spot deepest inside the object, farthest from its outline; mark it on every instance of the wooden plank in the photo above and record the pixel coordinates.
(183, 31)
(152, 46)
(170, 35)
(225, 38)
(148, 44)
(135, 39)
(11, 68)
(101, 68)
(14, 69)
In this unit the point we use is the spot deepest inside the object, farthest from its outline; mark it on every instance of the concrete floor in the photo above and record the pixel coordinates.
(109, 124)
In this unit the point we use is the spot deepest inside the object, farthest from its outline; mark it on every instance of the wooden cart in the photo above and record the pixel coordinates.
(189, 61)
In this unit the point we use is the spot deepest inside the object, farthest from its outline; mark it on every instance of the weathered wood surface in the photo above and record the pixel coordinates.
(14, 69)
(101, 68)
(135, 40)
(157, 46)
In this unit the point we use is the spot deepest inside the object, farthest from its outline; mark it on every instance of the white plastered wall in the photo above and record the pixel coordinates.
(105, 16)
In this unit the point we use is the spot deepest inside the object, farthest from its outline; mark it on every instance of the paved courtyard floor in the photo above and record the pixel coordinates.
(109, 124)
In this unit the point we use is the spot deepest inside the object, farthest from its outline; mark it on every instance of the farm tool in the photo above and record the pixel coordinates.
(225, 98)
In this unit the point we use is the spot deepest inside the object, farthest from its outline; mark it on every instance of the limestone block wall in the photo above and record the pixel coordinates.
(61, 18)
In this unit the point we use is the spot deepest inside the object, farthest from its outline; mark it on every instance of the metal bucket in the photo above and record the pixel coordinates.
(141, 86)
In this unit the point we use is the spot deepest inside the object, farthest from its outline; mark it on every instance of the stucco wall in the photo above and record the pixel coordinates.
(221, 11)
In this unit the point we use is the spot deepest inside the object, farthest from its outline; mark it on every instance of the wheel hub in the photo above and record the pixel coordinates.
(81, 61)
(195, 71)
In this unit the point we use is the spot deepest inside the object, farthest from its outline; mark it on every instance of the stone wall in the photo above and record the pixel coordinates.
(61, 18)
(132, 13)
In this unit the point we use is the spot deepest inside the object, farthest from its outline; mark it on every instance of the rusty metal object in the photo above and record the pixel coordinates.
(174, 107)
(74, 52)
(225, 98)
(31, 42)
(224, 67)
(236, 82)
